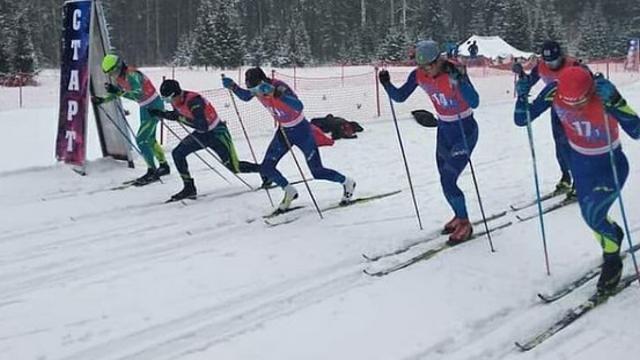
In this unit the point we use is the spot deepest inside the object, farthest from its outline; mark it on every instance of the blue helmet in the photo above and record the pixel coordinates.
(427, 51)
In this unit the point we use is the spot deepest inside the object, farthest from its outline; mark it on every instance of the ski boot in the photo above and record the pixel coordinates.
(163, 169)
(147, 178)
(610, 275)
(451, 226)
(290, 194)
(564, 185)
(266, 183)
(349, 187)
(462, 232)
(188, 192)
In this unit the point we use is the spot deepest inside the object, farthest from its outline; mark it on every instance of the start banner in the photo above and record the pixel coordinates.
(74, 82)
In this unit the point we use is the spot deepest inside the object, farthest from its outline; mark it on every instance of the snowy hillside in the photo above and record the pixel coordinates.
(90, 273)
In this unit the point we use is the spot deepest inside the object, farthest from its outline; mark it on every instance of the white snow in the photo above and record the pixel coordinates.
(492, 47)
(88, 273)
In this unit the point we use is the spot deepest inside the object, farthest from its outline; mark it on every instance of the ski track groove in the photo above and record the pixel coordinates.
(204, 328)
(121, 256)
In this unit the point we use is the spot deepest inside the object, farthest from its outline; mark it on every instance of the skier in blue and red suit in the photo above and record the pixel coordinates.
(286, 109)
(553, 62)
(453, 97)
(582, 101)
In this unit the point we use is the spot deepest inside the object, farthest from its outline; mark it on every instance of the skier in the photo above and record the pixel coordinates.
(193, 110)
(554, 61)
(134, 85)
(453, 97)
(293, 129)
(582, 102)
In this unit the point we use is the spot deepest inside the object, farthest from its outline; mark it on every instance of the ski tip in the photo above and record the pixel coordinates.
(371, 258)
(366, 272)
(543, 298)
(522, 347)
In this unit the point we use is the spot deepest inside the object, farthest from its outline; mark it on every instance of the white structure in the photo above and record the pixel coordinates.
(492, 47)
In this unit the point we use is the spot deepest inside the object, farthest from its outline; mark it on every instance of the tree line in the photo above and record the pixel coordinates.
(227, 33)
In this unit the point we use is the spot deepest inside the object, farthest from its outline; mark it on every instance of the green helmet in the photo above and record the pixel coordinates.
(110, 63)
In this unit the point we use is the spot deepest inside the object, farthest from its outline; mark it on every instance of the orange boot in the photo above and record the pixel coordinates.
(451, 226)
(462, 233)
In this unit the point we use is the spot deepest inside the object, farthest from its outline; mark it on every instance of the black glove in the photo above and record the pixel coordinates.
(112, 89)
(517, 68)
(97, 100)
(169, 115)
(384, 77)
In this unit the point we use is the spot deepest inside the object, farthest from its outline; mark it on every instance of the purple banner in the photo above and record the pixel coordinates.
(74, 83)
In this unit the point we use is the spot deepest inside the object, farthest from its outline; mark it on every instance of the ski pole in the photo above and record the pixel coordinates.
(246, 136)
(124, 135)
(210, 152)
(536, 180)
(195, 153)
(406, 164)
(295, 159)
(475, 180)
(616, 179)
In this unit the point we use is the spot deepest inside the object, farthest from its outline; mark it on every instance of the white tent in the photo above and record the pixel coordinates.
(491, 47)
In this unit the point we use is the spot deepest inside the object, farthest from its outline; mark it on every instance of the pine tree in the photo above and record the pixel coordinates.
(184, 55)
(593, 42)
(539, 33)
(352, 51)
(255, 54)
(23, 54)
(394, 47)
(272, 44)
(5, 65)
(228, 44)
(478, 25)
(298, 52)
(427, 21)
(515, 25)
(204, 33)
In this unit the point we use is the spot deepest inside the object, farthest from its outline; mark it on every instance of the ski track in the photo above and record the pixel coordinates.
(207, 327)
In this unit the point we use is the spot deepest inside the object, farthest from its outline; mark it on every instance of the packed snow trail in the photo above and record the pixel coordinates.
(91, 274)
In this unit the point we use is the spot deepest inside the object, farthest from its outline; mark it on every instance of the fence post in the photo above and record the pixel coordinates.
(607, 68)
(20, 91)
(295, 80)
(173, 73)
(375, 80)
(342, 74)
(240, 74)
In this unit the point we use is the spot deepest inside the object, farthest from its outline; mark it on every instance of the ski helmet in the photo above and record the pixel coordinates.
(170, 88)
(254, 76)
(427, 52)
(110, 63)
(575, 86)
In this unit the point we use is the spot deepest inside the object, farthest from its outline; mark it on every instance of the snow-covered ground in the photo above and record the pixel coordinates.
(89, 273)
